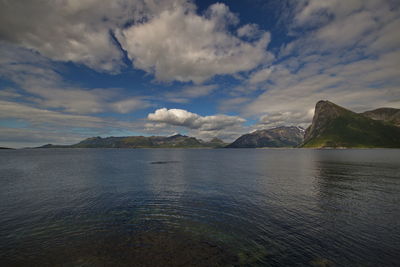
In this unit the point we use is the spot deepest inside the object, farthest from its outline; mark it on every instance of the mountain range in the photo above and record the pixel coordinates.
(332, 126)
(175, 141)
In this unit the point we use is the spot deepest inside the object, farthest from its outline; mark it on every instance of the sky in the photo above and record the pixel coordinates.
(73, 69)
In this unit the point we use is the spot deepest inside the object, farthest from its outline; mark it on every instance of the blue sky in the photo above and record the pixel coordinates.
(73, 69)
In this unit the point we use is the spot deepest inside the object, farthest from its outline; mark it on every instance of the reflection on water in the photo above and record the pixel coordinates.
(176, 207)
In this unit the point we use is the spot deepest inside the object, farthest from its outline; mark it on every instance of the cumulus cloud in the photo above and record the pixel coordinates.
(180, 45)
(77, 31)
(166, 38)
(180, 117)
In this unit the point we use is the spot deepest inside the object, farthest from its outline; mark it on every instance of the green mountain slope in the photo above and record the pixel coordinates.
(335, 126)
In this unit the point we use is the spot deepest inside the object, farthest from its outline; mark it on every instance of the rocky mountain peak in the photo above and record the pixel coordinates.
(324, 112)
(284, 136)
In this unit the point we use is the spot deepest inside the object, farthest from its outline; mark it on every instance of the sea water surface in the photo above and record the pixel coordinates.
(199, 207)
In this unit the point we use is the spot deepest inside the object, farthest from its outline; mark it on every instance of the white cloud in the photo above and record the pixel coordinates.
(166, 38)
(76, 30)
(339, 33)
(180, 117)
(249, 31)
(316, 11)
(221, 15)
(387, 38)
(260, 75)
(181, 45)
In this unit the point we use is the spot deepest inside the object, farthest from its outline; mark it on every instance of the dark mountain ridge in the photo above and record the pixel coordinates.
(277, 137)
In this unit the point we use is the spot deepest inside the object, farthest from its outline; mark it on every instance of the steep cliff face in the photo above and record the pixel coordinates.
(335, 126)
(325, 112)
(276, 137)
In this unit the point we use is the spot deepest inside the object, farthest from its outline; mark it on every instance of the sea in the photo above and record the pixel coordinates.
(200, 207)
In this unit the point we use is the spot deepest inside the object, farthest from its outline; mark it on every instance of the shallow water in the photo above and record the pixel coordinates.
(211, 207)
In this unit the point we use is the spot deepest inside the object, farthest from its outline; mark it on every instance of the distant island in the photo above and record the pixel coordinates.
(332, 127)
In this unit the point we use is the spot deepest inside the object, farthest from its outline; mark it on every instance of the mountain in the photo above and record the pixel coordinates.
(142, 142)
(390, 115)
(276, 137)
(6, 148)
(216, 142)
(335, 126)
